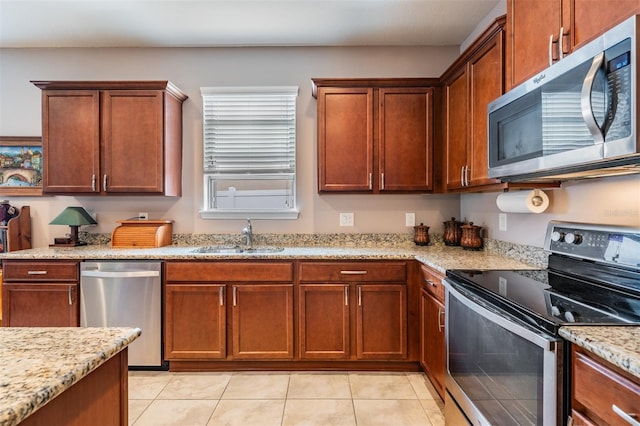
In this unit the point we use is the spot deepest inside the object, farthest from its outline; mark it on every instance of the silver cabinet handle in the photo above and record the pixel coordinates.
(221, 296)
(70, 295)
(627, 417)
(560, 49)
(462, 175)
(359, 296)
(466, 175)
(551, 49)
(348, 272)
(93, 182)
(431, 283)
(36, 272)
(440, 316)
(346, 295)
(370, 181)
(235, 295)
(382, 181)
(104, 182)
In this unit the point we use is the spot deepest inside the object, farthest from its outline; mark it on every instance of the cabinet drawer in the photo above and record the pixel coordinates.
(14, 271)
(353, 271)
(229, 271)
(432, 282)
(590, 374)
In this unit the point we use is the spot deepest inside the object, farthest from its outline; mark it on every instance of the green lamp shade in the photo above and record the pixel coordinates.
(73, 216)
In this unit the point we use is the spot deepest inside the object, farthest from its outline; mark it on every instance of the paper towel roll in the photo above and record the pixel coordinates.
(534, 201)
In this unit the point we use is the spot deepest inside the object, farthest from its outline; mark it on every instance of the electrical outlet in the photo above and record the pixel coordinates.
(143, 216)
(502, 221)
(346, 219)
(410, 219)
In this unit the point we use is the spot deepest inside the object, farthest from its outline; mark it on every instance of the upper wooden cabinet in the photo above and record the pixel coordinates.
(112, 137)
(375, 135)
(543, 31)
(471, 82)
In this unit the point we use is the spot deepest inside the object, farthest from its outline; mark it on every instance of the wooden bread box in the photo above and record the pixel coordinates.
(142, 234)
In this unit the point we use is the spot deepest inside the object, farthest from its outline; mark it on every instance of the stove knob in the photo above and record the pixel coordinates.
(569, 316)
(557, 236)
(572, 238)
(555, 311)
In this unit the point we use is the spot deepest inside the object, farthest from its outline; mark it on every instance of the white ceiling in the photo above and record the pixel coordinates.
(200, 23)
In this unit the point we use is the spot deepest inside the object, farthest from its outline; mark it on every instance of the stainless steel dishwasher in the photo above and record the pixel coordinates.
(125, 294)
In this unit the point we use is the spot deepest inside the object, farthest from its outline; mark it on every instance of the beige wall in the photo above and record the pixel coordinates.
(613, 201)
(191, 68)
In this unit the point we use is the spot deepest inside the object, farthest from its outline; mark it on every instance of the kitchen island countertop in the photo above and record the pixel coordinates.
(619, 345)
(37, 364)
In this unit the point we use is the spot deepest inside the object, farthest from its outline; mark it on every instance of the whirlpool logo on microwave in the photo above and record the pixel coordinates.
(538, 79)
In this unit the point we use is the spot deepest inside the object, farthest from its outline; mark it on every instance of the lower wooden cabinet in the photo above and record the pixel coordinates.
(381, 321)
(195, 321)
(228, 310)
(353, 310)
(40, 294)
(324, 321)
(432, 337)
(262, 321)
(601, 393)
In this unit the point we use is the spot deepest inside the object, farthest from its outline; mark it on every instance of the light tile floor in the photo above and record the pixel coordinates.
(282, 398)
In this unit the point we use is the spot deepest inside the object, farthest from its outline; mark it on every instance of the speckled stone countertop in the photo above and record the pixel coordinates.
(618, 345)
(37, 364)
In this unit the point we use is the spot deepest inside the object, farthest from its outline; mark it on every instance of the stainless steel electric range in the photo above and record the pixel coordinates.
(505, 359)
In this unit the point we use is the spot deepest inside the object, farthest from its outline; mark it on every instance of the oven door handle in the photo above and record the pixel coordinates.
(498, 316)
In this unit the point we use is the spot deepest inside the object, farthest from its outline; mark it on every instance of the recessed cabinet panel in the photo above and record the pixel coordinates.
(345, 139)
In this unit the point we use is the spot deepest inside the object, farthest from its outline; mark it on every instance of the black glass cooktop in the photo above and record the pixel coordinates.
(550, 298)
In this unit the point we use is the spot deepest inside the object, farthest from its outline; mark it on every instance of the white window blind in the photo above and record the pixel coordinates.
(249, 151)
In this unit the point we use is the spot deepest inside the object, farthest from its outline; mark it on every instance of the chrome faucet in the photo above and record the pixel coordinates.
(247, 233)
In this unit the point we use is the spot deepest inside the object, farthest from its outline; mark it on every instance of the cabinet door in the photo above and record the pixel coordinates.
(381, 336)
(132, 141)
(345, 139)
(456, 94)
(485, 84)
(432, 341)
(593, 17)
(70, 141)
(324, 321)
(195, 321)
(530, 25)
(405, 138)
(40, 305)
(262, 321)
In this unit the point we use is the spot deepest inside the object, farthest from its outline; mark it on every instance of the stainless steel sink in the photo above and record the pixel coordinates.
(237, 249)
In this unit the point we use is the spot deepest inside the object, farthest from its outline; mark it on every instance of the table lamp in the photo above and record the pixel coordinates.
(74, 217)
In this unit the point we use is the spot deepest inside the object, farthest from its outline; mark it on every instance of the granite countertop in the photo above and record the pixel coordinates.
(437, 256)
(619, 345)
(37, 364)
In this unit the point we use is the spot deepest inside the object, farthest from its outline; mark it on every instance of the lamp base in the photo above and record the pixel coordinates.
(66, 242)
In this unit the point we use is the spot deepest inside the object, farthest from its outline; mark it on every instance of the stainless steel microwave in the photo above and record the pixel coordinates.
(578, 118)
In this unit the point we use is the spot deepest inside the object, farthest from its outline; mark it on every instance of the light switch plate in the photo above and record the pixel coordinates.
(502, 221)
(410, 219)
(346, 219)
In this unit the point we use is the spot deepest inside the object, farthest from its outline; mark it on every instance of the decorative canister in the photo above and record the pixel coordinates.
(421, 235)
(452, 232)
(471, 239)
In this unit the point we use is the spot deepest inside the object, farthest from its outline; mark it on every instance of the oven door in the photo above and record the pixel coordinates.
(500, 370)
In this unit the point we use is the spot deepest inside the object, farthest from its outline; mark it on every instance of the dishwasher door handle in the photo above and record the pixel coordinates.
(119, 274)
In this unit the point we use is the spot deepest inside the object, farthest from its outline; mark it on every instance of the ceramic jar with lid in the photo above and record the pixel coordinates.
(421, 235)
(471, 239)
(452, 232)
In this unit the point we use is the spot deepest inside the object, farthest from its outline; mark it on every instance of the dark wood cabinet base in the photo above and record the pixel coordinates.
(179, 366)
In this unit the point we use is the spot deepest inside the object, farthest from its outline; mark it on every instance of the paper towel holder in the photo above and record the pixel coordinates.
(532, 201)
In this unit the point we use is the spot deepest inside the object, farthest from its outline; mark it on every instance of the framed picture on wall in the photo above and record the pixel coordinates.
(20, 165)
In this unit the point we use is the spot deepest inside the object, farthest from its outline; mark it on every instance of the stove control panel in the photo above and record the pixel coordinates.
(618, 245)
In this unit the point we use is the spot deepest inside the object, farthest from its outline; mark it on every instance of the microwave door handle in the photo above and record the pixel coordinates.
(585, 99)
